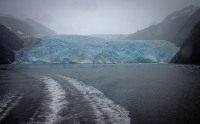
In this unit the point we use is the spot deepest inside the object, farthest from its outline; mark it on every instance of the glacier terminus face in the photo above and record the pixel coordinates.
(91, 50)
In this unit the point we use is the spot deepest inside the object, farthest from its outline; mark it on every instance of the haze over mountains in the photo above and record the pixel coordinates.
(175, 27)
(26, 27)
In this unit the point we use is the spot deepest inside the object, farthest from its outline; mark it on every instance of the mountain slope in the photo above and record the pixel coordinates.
(187, 27)
(169, 28)
(25, 28)
(39, 28)
(8, 42)
(190, 51)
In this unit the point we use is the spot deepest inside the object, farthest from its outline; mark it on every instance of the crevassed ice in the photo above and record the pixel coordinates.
(85, 49)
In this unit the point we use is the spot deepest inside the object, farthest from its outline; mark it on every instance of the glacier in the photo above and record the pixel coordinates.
(72, 49)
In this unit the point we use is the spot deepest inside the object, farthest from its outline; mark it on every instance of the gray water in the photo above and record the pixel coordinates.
(118, 93)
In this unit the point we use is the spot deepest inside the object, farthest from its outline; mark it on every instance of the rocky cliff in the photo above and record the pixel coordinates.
(8, 42)
(190, 50)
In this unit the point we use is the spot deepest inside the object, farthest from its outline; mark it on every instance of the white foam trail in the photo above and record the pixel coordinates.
(102, 106)
(57, 95)
(8, 103)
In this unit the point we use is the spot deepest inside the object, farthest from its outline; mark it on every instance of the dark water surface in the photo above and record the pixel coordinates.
(121, 93)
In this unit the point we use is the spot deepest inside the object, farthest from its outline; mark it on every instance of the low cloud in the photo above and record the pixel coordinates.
(94, 16)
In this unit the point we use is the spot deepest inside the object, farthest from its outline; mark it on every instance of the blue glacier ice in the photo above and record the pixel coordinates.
(86, 49)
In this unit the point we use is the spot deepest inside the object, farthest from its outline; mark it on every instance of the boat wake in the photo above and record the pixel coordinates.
(67, 100)
(7, 103)
(105, 110)
(55, 100)
(72, 101)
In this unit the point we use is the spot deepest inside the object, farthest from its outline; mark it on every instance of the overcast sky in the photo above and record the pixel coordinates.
(94, 16)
